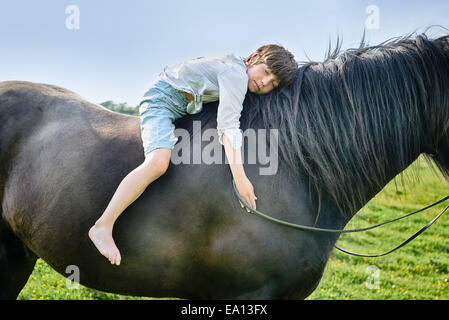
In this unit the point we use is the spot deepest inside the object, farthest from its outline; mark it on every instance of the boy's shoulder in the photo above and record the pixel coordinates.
(229, 66)
(230, 59)
(234, 65)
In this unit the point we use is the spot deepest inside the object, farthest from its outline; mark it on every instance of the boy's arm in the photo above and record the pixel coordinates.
(244, 186)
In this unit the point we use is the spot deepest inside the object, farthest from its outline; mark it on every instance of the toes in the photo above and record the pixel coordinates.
(114, 258)
(117, 258)
(111, 258)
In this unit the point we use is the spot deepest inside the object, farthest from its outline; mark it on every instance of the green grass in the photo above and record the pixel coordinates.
(46, 284)
(418, 271)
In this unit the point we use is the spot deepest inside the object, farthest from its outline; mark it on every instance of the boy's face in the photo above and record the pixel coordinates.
(260, 78)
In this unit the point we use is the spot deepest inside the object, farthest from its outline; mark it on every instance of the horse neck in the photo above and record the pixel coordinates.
(418, 127)
(364, 120)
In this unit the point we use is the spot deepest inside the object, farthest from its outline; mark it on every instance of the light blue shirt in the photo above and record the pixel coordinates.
(211, 79)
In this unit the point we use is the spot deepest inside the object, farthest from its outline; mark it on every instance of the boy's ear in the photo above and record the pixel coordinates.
(253, 58)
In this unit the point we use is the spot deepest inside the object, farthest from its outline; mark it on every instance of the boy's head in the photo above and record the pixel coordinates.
(271, 66)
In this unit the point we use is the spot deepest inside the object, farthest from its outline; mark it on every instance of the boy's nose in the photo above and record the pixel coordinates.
(267, 80)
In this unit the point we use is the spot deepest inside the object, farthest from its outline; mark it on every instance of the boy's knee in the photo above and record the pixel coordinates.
(161, 166)
(157, 165)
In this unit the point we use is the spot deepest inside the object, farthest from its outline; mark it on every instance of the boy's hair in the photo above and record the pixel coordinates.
(279, 60)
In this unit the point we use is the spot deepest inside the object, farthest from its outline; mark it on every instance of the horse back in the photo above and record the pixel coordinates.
(54, 149)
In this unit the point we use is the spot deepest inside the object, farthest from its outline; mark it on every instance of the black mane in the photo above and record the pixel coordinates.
(357, 117)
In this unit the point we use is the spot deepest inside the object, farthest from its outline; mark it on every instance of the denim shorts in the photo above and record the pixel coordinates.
(161, 105)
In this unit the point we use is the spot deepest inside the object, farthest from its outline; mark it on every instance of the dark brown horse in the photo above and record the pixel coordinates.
(346, 127)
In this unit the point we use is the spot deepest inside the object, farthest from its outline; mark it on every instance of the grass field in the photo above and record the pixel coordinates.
(418, 271)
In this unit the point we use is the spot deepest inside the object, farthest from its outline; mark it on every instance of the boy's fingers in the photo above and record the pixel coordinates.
(243, 206)
(251, 202)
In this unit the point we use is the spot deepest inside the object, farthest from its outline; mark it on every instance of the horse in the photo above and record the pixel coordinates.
(345, 127)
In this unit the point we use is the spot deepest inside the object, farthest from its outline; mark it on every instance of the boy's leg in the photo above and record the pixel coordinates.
(132, 186)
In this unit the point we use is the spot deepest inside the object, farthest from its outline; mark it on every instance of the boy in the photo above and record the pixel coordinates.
(180, 90)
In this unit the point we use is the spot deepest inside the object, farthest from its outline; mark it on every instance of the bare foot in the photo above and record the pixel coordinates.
(101, 236)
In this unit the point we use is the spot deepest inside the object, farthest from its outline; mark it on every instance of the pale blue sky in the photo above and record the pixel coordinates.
(121, 46)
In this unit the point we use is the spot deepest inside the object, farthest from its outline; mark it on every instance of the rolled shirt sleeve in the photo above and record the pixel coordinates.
(233, 85)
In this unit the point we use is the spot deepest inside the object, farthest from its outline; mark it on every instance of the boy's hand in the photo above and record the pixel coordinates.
(242, 183)
(246, 191)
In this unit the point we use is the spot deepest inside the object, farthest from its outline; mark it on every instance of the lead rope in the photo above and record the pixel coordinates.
(399, 246)
(309, 228)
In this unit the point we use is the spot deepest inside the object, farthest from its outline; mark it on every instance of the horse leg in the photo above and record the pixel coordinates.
(266, 292)
(16, 263)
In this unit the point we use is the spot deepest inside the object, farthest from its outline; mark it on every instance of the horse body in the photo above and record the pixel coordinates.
(186, 236)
